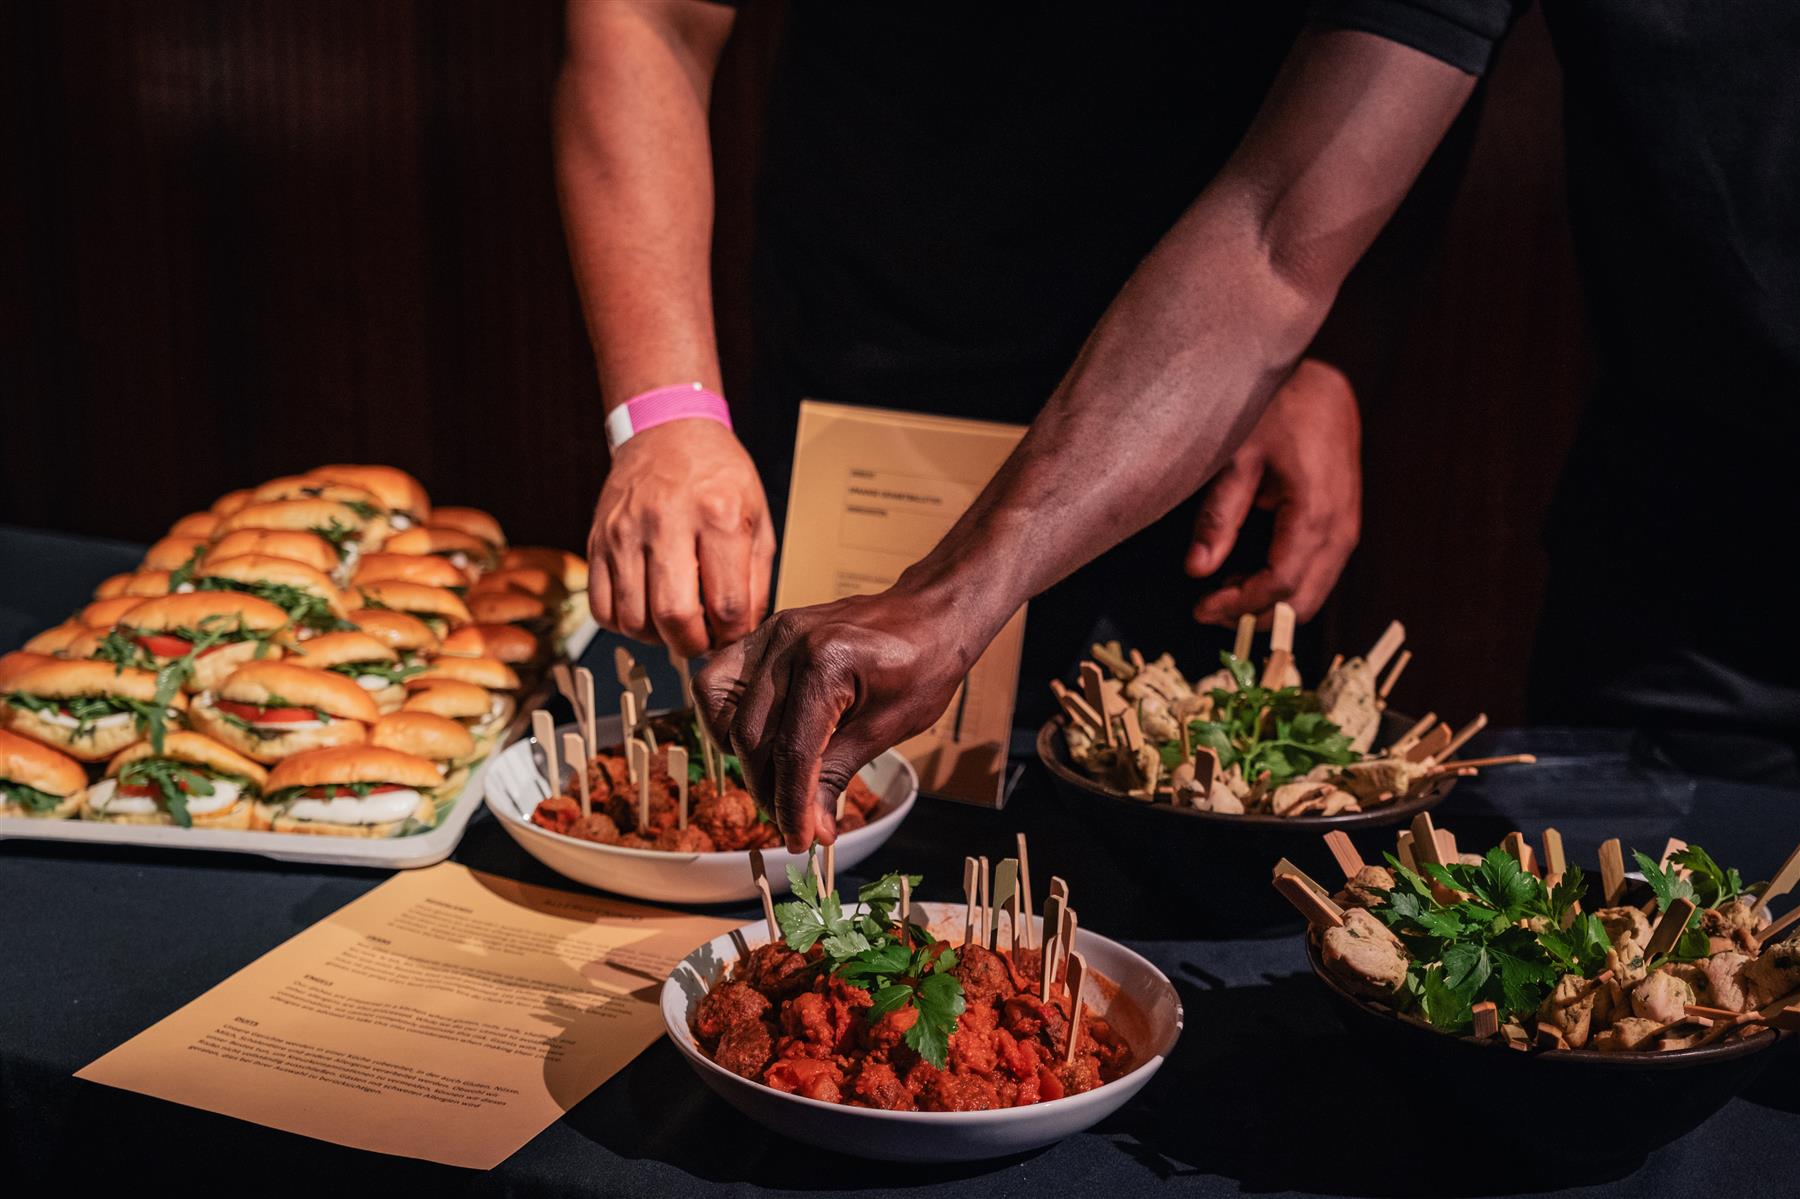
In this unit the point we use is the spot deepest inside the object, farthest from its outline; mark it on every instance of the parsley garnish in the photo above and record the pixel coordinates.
(898, 971)
(1259, 729)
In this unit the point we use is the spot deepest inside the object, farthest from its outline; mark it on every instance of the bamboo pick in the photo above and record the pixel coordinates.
(1337, 660)
(640, 687)
(1411, 736)
(1447, 844)
(1246, 636)
(1669, 929)
(1025, 891)
(1785, 879)
(639, 755)
(565, 684)
(1077, 971)
(1187, 742)
(1065, 940)
(1093, 686)
(575, 753)
(1391, 639)
(543, 729)
(628, 722)
(1012, 916)
(1673, 846)
(1278, 671)
(623, 665)
(1051, 937)
(1403, 849)
(1612, 871)
(759, 871)
(1344, 850)
(1780, 926)
(1134, 732)
(678, 770)
(1319, 911)
(1425, 844)
(584, 684)
(1288, 869)
(987, 911)
(1480, 763)
(1463, 734)
(969, 889)
(1520, 849)
(1430, 746)
(1059, 888)
(1393, 676)
(1555, 863)
(1078, 709)
(906, 908)
(685, 675)
(1487, 1019)
(1006, 884)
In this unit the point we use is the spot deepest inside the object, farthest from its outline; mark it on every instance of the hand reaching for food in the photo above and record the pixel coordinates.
(816, 693)
(682, 542)
(1303, 461)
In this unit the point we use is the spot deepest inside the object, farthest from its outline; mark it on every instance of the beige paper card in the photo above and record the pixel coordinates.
(872, 492)
(447, 1015)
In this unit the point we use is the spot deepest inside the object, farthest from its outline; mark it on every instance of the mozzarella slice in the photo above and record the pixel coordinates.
(104, 797)
(378, 808)
(62, 721)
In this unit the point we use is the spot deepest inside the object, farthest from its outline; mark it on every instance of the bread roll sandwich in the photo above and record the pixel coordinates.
(37, 782)
(270, 711)
(439, 607)
(366, 660)
(210, 633)
(438, 739)
(87, 708)
(310, 599)
(350, 791)
(297, 545)
(194, 782)
(402, 495)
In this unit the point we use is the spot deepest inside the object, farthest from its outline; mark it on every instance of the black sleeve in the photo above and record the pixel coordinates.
(1462, 33)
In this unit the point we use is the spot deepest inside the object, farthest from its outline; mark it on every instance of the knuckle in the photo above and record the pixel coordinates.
(620, 532)
(718, 509)
(729, 609)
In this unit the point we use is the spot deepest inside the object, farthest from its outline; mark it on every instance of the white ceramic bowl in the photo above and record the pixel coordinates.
(1144, 1009)
(515, 784)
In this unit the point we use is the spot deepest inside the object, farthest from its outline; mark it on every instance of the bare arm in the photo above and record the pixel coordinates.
(1171, 380)
(681, 542)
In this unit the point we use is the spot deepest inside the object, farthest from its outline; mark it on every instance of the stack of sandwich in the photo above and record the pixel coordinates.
(326, 653)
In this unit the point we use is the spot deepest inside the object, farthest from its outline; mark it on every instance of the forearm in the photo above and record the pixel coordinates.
(1202, 334)
(634, 175)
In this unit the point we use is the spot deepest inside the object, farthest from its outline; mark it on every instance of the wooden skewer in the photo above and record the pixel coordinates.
(1447, 845)
(1425, 844)
(623, 665)
(906, 908)
(678, 770)
(1093, 686)
(685, 675)
(628, 723)
(575, 753)
(987, 911)
(1387, 684)
(1059, 888)
(1391, 639)
(1487, 1019)
(543, 729)
(640, 687)
(760, 873)
(1319, 911)
(1669, 929)
(1079, 710)
(1053, 907)
(1785, 879)
(1612, 871)
(818, 876)
(1673, 846)
(1012, 916)
(1065, 940)
(1025, 891)
(1430, 746)
(639, 753)
(1462, 736)
(1403, 849)
(1337, 660)
(584, 686)
(1506, 760)
(1134, 733)
(1006, 885)
(1701, 1012)
(1279, 669)
(969, 896)
(1344, 850)
(1778, 927)
(1520, 849)
(1077, 971)
(1411, 736)
(1555, 863)
(1285, 868)
(1246, 636)
(565, 684)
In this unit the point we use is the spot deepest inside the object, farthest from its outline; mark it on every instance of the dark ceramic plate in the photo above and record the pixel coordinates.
(1626, 1104)
(1170, 846)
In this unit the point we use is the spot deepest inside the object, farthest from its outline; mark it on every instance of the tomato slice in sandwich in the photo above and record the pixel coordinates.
(166, 645)
(258, 715)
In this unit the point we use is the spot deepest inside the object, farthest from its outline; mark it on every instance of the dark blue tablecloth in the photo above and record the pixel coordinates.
(1258, 1097)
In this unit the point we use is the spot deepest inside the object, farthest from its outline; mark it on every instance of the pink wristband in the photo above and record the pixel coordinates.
(679, 402)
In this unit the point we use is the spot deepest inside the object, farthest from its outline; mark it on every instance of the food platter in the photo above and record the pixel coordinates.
(1151, 1018)
(514, 784)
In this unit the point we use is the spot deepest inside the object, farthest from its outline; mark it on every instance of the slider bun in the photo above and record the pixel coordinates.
(310, 487)
(334, 694)
(194, 748)
(208, 720)
(296, 545)
(398, 491)
(506, 642)
(449, 698)
(171, 552)
(527, 579)
(505, 607)
(42, 768)
(408, 568)
(292, 514)
(220, 663)
(416, 598)
(337, 649)
(355, 764)
(69, 678)
(56, 640)
(17, 662)
(144, 584)
(472, 521)
(270, 818)
(490, 673)
(195, 524)
(571, 569)
(237, 816)
(202, 610)
(105, 613)
(261, 568)
(428, 540)
(230, 502)
(396, 628)
(437, 738)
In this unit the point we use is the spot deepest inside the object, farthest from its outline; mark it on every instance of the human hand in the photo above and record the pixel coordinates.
(1303, 461)
(682, 543)
(816, 693)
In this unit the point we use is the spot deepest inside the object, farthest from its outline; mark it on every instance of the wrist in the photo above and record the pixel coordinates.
(664, 405)
(971, 584)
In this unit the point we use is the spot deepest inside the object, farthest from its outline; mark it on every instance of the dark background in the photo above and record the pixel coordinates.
(242, 237)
